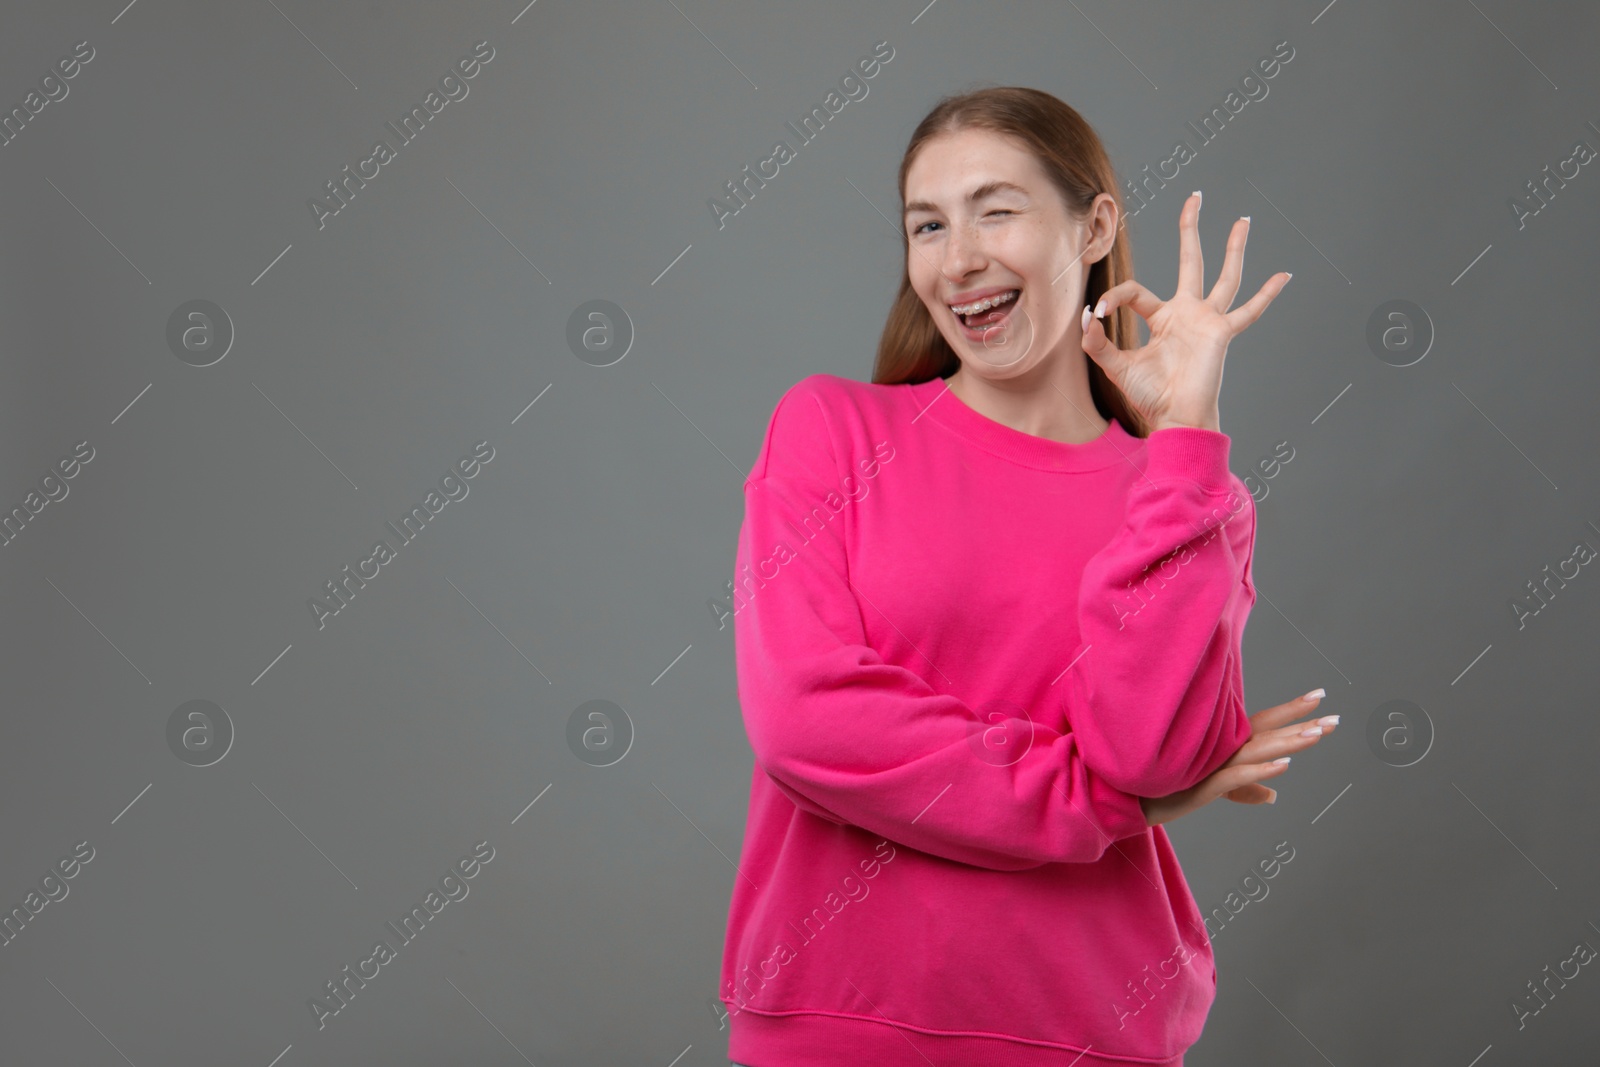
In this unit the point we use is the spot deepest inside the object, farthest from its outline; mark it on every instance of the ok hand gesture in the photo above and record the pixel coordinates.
(1176, 379)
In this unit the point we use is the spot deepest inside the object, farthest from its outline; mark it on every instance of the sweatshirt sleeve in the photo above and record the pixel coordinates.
(1157, 698)
(853, 739)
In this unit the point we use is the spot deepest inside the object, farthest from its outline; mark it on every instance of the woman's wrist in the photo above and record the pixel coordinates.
(1208, 421)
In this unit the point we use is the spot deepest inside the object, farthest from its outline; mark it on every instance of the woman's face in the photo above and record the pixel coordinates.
(983, 221)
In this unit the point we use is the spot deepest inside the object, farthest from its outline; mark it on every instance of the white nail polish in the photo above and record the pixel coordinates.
(1201, 197)
(1328, 720)
(1281, 759)
(1315, 694)
(1311, 731)
(1246, 218)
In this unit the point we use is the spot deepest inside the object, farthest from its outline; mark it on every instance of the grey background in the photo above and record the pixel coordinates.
(426, 316)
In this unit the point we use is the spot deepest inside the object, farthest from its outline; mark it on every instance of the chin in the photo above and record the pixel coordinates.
(975, 367)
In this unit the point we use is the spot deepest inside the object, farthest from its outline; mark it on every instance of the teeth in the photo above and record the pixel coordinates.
(983, 305)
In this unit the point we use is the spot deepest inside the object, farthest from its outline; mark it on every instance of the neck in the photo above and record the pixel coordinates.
(1050, 400)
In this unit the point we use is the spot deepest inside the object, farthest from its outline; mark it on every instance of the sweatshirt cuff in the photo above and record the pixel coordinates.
(1121, 815)
(1189, 452)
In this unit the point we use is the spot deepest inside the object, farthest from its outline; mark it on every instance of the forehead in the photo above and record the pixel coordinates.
(950, 166)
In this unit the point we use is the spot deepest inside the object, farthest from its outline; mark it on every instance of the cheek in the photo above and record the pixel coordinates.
(1052, 317)
(922, 286)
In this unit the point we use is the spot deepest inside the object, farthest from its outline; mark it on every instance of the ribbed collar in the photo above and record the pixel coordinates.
(934, 399)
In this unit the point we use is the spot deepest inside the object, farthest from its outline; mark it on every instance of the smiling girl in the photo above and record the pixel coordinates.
(1014, 659)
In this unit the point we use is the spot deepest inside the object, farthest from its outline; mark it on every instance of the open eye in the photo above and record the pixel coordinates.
(918, 231)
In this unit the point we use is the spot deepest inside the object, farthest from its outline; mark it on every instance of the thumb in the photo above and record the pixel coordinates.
(1253, 793)
(1097, 345)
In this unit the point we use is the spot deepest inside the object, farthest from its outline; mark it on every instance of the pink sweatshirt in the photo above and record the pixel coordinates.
(964, 652)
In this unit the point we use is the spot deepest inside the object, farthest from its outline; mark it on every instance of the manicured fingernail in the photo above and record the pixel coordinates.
(1283, 759)
(1286, 277)
(1311, 731)
(1244, 218)
(1100, 310)
(1083, 319)
(1273, 799)
(1328, 720)
(1315, 694)
(1197, 194)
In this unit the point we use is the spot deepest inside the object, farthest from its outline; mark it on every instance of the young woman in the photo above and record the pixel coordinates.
(988, 613)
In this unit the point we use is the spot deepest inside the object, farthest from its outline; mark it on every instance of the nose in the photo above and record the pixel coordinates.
(963, 252)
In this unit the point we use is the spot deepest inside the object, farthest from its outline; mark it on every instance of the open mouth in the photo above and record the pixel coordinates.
(980, 321)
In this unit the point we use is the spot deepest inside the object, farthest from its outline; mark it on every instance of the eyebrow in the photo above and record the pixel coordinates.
(986, 189)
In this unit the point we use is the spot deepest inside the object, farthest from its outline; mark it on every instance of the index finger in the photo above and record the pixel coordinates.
(1282, 714)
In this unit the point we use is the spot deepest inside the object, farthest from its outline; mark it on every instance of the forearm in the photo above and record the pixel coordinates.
(1157, 696)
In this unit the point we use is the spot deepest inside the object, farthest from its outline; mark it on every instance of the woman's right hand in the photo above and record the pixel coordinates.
(1273, 734)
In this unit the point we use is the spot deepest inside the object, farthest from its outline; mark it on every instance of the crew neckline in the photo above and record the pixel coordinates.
(1114, 445)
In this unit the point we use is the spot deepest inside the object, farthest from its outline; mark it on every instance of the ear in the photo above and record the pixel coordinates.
(1103, 221)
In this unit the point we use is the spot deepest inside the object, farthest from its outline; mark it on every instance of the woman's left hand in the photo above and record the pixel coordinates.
(1176, 379)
